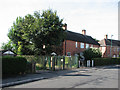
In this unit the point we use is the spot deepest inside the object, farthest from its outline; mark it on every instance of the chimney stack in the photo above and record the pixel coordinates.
(84, 32)
(65, 26)
(106, 36)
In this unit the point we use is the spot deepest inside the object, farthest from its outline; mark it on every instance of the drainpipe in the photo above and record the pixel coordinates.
(111, 47)
(65, 47)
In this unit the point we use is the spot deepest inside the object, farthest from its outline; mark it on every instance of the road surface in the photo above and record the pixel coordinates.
(100, 77)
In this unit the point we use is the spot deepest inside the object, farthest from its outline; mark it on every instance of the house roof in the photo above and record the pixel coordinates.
(80, 37)
(105, 42)
(7, 52)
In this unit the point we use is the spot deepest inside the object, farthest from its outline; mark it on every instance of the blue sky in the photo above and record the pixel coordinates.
(98, 17)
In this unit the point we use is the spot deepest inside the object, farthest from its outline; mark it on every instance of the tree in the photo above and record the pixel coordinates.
(91, 53)
(34, 31)
(96, 40)
(19, 33)
(9, 45)
(6, 46)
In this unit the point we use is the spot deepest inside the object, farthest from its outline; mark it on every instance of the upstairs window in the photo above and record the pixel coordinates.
(82, 45)
(87, 45)
(76, 45)
(114, 49)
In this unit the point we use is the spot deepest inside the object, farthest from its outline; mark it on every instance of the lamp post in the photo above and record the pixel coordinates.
(111, 47)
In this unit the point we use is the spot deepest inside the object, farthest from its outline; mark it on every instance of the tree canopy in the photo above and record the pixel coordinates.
(31, 32)
(8, 45)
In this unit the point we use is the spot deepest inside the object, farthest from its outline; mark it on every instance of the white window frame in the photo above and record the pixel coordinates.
(91, 45)
(114, 49)
(82, 45)
(87, 45)
(117, 55)
(76, 44)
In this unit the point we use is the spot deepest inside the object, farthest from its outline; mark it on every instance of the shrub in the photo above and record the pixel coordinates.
(106, 61)
(13, 65)
(91, 53)
(29, 67)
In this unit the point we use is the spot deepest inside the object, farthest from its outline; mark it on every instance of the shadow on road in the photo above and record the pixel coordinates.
(76, 75)
(53, 74)
(109, 67)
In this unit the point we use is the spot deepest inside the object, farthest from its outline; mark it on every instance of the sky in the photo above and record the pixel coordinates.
(97, 17)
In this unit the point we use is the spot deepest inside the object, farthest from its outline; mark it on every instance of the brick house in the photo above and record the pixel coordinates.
(109, 47)
(76, 43)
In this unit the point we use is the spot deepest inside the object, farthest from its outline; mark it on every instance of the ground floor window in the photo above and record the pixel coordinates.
(68, 53)
(117, 55)
(114, 56)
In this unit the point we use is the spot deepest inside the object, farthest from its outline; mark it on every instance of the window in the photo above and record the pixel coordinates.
(91, 46)
(118, 49)
(117, 55)
(87, 45)
(82, 45)
(114, 56)
(68, 53)
(76, 44)
(114, 49)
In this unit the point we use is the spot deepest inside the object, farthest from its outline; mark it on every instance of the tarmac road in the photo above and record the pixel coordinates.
(100, 77)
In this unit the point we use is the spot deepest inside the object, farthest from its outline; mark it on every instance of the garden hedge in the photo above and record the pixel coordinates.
(13, 65)
(106, 61)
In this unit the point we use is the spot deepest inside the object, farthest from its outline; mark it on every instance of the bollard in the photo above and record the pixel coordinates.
(79, 63)
(88, 63)
(92, 63)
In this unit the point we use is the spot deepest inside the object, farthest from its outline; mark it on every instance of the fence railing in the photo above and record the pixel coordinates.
(53, 62)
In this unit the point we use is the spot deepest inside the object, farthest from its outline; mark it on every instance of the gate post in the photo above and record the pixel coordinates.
(63, 62)
(53, 63)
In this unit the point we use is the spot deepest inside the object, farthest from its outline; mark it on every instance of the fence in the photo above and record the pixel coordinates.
(53, 62)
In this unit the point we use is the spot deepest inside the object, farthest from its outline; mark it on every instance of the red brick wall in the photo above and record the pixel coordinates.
(71, 47)
(114, 51)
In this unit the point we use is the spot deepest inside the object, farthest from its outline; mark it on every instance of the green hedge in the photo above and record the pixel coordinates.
(13, 65)
(106, 61)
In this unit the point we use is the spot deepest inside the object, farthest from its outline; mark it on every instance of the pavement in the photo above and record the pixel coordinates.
(39, 75)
